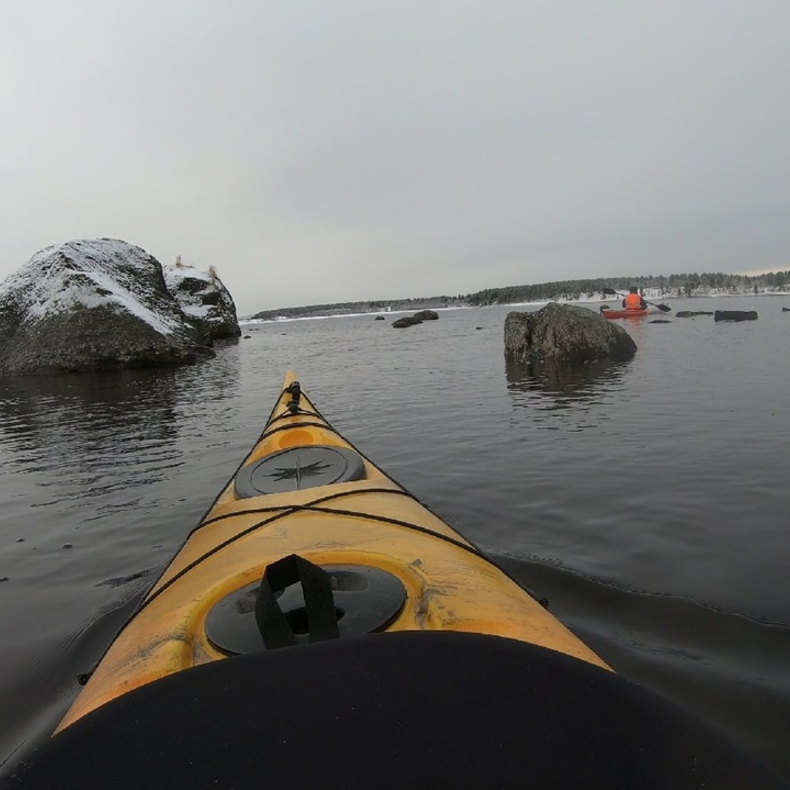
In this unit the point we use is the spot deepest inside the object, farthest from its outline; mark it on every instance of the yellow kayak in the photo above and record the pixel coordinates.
(322, 627)
(304, 490)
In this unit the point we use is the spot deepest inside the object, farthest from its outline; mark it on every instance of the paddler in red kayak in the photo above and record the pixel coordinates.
(633, 301)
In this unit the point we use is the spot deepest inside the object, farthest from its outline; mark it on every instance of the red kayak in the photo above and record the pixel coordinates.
(630, 313)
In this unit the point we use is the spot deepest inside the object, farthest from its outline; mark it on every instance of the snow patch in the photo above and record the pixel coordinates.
(196, 310)
(177, 273)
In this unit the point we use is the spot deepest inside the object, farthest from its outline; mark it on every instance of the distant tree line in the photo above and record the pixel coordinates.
(570, 290)
(671, 285)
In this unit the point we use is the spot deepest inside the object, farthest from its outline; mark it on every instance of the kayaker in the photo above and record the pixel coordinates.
(633, 301)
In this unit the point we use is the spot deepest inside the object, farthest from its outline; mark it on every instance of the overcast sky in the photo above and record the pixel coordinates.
(327, 150)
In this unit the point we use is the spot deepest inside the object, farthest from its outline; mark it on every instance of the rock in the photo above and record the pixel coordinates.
(92, 304)
(735, 315)
(692, 313)
(407, 320)
(565, 334)
(417, 318)
(204, 301)
(379, 318)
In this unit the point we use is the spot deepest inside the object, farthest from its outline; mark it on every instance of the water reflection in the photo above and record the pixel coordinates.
(64, 439)
(562, 387)
(567, 399)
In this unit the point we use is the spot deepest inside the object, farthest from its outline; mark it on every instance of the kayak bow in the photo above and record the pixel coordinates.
(304, 490)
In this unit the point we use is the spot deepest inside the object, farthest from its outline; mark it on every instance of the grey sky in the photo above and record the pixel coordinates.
(319, 150)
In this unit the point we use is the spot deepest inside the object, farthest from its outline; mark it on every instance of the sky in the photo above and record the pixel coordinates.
(317, 151)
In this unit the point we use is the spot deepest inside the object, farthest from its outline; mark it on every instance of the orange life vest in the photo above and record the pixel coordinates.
(633, 302)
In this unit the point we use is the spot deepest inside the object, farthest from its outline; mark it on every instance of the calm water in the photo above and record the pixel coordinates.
(648, 501)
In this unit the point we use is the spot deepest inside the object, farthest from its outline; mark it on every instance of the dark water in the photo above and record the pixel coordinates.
(649, 501)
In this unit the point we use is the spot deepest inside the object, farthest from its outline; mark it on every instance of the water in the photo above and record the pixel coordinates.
(647, 500)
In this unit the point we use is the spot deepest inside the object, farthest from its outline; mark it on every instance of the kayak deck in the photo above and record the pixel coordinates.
(408, 709)
(292, 496)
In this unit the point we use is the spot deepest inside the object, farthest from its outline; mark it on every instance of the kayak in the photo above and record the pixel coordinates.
(320, 625)
(304, 490)
(630, 313)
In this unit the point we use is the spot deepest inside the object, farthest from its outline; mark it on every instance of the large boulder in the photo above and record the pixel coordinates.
(204, 301)
(91, 304)
(565, 334)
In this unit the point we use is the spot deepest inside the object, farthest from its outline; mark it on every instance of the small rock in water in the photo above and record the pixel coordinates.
(408, 320)
(735, 315)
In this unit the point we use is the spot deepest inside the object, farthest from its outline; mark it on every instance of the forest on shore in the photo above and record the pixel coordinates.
(673, 285)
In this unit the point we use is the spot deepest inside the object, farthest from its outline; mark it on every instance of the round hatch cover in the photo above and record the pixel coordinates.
(297, 468)
(366, 600)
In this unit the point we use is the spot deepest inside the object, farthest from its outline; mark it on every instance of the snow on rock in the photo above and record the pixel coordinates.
(204, 301)
(91, 304)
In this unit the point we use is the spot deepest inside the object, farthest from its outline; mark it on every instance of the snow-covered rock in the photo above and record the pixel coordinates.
(204, 300)
(92, 304)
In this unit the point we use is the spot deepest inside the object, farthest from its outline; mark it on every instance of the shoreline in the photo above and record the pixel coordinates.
(599, 299)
